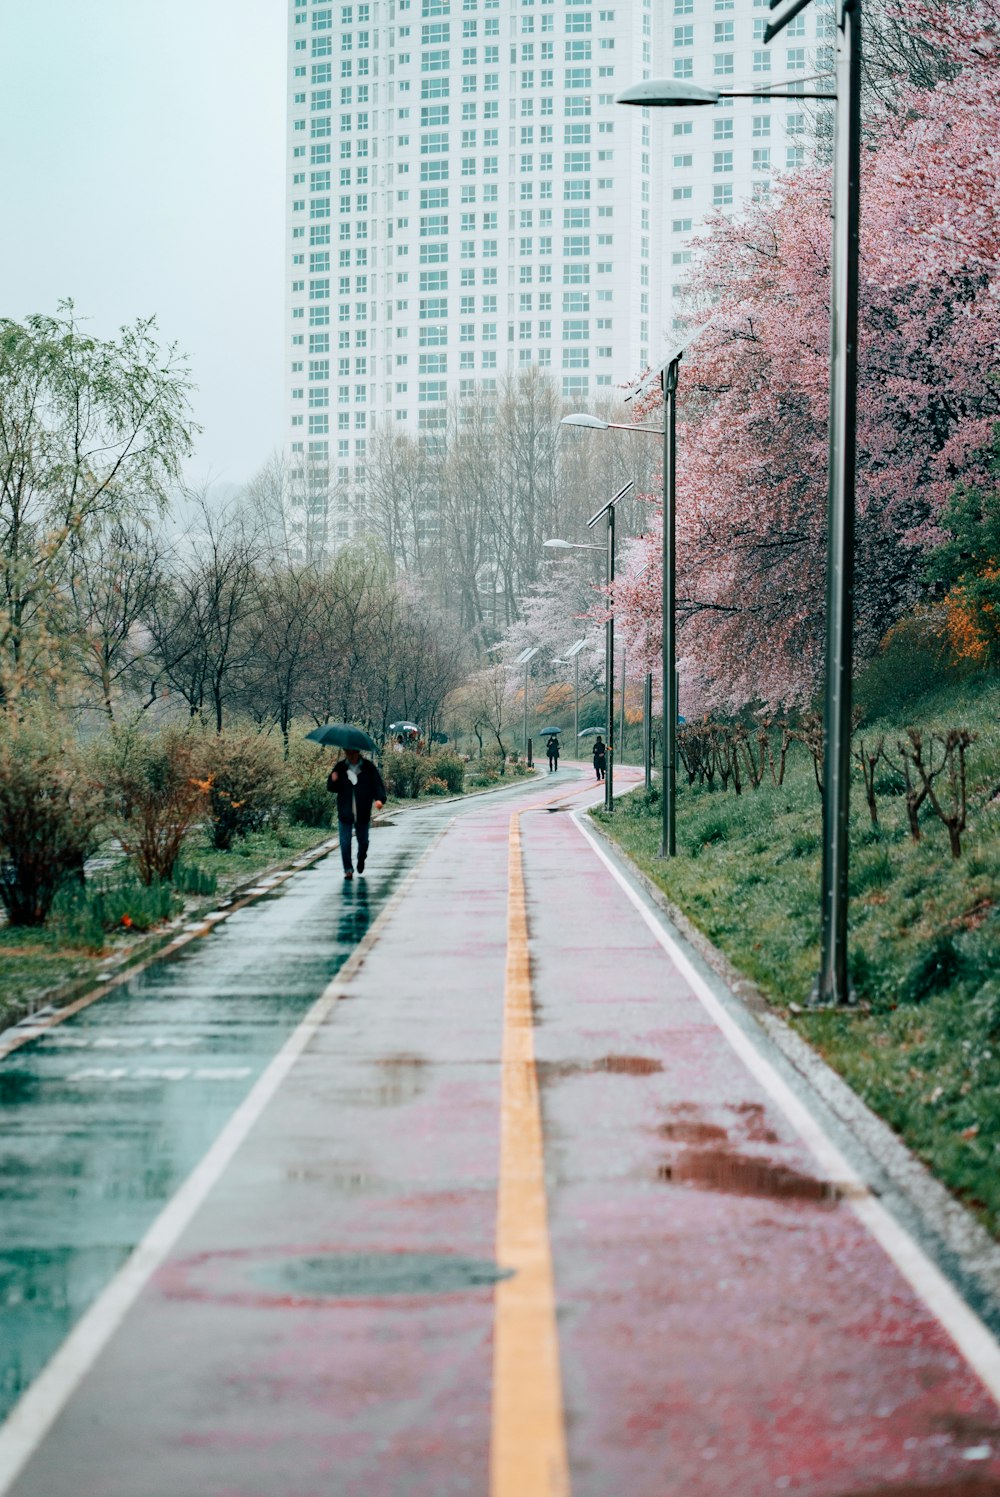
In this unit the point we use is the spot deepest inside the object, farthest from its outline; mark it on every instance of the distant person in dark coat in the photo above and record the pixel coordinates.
(600, 757)
(552, 749)
(358, 787)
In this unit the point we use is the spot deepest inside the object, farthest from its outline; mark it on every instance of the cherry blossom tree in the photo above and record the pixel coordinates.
(754, 388)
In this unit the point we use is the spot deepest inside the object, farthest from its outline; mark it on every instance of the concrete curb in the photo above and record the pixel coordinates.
(947, 1230)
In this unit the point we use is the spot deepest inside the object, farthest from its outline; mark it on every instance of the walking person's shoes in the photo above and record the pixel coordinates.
(361, 862)
(348, 875)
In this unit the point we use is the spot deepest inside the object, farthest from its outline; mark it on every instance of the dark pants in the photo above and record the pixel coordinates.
(599, 767)
(553, 761)
(346, 829)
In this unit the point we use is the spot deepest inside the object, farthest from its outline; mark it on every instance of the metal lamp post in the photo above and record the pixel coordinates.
(573, 653)
(667, 373)
(832, 985)
(606, 511)
(525, 658)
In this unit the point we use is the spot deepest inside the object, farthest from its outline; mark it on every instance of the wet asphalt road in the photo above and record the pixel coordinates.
(105, 1115)
(326, 1322)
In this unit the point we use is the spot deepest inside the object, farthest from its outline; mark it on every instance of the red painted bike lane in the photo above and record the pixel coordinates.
(727, 1325)
(324, 1325)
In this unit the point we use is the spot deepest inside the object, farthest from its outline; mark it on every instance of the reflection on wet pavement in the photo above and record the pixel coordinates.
(105, 1115)
(738, 1174)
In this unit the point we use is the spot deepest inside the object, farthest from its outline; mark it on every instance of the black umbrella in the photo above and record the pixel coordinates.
(403, 728)
(342, 735)
(590, 732)
(549, 732)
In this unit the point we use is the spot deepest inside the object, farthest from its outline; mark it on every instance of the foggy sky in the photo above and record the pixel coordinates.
(141, 172)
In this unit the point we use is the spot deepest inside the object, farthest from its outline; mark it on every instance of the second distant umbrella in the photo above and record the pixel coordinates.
(343, 735)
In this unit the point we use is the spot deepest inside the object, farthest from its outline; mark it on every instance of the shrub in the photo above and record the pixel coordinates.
(158, 795)
(307, 800)
(936, 969)
(243, 777)
(912, 660)
(402, 773)
(310, 805)
(434, 786)
(51, 812)
(448, 768)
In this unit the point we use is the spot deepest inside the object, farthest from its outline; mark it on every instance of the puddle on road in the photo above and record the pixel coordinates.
(968, 1427)
(609, 1065)
(628, 1065)
(753, 1122)
(401, 1079)
(372, 1275)
(690, 1131)
(741, 1174)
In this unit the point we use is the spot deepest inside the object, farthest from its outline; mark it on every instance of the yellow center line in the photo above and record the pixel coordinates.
(528, 1446)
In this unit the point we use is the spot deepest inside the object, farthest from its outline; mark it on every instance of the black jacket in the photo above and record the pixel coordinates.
(600, 753)
(354, 802)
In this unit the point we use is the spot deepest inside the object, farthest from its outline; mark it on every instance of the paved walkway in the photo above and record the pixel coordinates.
(516, 1210)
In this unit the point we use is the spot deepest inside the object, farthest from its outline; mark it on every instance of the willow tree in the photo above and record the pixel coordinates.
(91, 432)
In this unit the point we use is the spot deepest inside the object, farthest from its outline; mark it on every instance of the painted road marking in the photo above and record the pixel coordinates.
(39, 1407)
(528, 1442)
(37, 1410)
(160, 1073)
(109, 979)
(974, 1340)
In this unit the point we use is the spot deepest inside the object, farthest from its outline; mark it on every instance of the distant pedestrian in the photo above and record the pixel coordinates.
(600, 757)
(358, 787)
(552, 749)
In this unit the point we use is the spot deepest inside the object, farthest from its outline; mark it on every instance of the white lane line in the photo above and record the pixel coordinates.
(41, 1404)
(974, 1340)
(38, 1408)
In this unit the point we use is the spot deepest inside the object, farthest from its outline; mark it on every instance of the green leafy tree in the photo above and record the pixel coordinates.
(968, 564)
(91, 432)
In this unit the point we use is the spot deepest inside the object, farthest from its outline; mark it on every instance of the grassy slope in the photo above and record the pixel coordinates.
(924, 1047)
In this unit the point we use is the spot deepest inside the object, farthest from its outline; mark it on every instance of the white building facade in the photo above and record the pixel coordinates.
(465, 199)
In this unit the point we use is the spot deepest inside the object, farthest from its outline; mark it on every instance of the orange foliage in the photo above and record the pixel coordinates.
(971, 624)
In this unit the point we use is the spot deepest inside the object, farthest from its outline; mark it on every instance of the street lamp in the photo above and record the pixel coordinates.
(608, 511)
(525, 658)
(832, 985)
(573, 653)
(667, 374)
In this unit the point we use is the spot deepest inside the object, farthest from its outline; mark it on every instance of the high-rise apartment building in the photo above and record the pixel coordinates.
(465, 199)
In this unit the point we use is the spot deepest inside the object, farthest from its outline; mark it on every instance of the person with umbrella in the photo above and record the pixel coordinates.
(552, 749)
(600, 758)
(358, 787)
